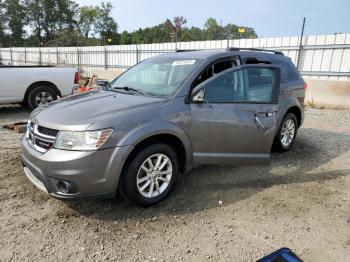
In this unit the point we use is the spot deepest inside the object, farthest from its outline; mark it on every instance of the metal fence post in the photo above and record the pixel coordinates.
(57, 56)
(137, 55)
(25, 56)
(11, 61)
(78, 58)
(39, 56)
(106, 58)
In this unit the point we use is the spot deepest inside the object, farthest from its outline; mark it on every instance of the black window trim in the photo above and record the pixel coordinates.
(230, 57)
(222, 59)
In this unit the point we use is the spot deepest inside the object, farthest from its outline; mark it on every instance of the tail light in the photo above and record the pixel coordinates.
(305, 85)
(76, 78)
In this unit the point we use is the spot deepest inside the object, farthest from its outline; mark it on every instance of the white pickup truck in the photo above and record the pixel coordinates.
(35, 85)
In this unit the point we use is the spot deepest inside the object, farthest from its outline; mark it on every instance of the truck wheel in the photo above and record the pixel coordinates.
(150, 175)
(287, 133)
(41, 95)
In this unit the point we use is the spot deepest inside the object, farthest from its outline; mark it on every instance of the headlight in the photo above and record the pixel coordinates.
(28, 127)
(86, 140)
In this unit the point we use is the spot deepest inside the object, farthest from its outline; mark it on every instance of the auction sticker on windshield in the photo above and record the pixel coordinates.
(183, 62)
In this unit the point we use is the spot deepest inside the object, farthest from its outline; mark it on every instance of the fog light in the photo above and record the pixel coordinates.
(66, 187)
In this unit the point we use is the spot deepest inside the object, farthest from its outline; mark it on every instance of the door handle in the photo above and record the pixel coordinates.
(259, 124)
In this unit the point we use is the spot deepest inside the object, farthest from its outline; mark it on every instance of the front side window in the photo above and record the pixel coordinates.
(157, 77)
(214, 69)
(253, 84)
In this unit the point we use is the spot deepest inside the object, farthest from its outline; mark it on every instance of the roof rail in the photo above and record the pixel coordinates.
(254, 49)
(186, 50)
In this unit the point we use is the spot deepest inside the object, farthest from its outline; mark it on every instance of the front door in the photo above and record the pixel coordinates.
(236, 120)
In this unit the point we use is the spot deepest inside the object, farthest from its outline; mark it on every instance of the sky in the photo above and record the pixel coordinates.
(268, 17)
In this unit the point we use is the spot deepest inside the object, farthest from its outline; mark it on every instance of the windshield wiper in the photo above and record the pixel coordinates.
(129, 89)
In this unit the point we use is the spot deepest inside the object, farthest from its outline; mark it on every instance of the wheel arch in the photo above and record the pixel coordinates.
(297, 112)
(49, 84)
(162, 137)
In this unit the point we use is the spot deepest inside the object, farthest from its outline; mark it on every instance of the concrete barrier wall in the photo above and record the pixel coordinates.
(106, 74)
(327, 94)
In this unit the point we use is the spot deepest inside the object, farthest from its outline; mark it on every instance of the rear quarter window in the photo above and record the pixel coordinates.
(288, 73)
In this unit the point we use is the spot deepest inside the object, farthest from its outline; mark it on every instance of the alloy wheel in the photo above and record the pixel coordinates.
(43, 98)
(288, 132)
(154, 175)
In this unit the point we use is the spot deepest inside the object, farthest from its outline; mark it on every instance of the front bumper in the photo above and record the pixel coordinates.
(91, 172)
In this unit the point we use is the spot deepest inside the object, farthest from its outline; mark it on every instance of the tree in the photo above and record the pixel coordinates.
(35, 18)
(231, 31)
(50, 18)
(3, 23)
(212, 29)
(106, 26)
(64, 23)
(15, 13)
(67, 17)
(125, 38)
(191, 34)
(175, 27)
(179, 22)
(87, 18)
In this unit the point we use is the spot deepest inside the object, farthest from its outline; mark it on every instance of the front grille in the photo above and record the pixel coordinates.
(43, 144)
(47, 131)
(41, 138)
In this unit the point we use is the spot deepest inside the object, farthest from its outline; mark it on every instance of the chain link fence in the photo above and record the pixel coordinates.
(322, 56)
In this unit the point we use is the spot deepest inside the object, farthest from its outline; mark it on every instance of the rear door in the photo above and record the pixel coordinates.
(237, 120)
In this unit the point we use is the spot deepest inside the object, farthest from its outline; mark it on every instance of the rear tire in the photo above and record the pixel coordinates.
(144, 183)
(286, 134)
(40, 95)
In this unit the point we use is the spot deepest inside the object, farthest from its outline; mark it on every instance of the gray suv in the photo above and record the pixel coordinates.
(161, 117)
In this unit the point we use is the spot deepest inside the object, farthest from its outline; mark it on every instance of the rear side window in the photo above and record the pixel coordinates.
(253, 84)
(288, 73)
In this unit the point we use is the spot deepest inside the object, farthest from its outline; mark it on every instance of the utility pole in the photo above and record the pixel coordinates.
(301, 43)
(173, 36)
(228, 37)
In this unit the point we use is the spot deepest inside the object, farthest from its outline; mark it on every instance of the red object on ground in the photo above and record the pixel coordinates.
(76, 78)
(83, 89)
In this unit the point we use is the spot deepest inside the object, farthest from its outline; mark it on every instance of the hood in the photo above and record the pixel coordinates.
(78, 112)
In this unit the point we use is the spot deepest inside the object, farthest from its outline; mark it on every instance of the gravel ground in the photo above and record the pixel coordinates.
(240, 213)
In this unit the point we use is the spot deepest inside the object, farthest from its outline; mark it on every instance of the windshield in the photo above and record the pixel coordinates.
(156, 77)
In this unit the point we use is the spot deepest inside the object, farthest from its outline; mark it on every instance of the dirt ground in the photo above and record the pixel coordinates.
(300, 200)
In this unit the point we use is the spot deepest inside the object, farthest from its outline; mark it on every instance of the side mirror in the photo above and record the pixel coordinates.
(199, 96)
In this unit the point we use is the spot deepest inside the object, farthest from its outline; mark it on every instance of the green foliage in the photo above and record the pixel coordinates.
(4, 38)
(64, 23)
(49, 18)
(105, 25)
(16, 18)
(125, 38)
(87, 19)
(171, 31)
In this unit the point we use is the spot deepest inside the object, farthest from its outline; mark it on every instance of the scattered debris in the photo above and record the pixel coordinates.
(18, 127)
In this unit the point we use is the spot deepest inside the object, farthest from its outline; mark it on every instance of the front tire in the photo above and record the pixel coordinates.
(150, 175)
(287, 133)
(41, 95)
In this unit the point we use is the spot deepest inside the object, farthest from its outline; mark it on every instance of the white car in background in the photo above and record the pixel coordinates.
(36, 85)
